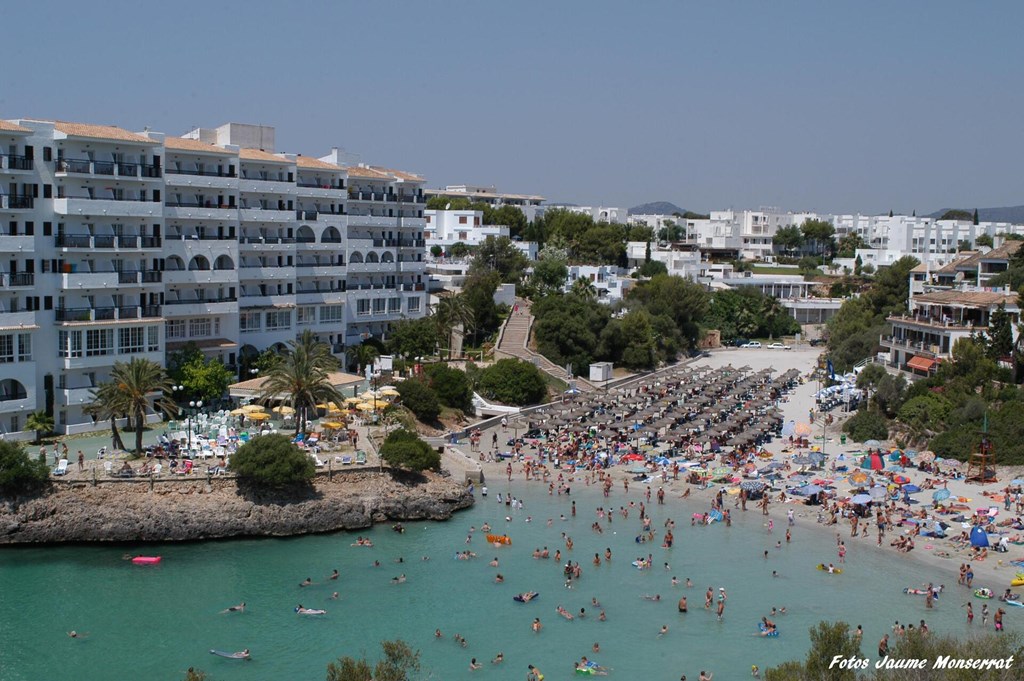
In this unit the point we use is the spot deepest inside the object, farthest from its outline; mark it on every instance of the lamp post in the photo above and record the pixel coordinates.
(194, 407)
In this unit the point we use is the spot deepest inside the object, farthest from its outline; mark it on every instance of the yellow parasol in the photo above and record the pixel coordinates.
(331, 425)
(389, 392)
(353, 400)
(236, 412)
(283, 409)
(334, 409)
(259, 416)
(366, 406)
(251, 408)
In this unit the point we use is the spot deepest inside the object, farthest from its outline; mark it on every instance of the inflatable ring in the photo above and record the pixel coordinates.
(499, 539)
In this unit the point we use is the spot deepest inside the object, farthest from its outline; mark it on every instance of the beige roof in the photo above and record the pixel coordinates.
(363, 171)
(311, 162)
(253, 386)
(258, 155)
(102, 132)
(920, 268)
(11, 127)
(968, 298)
(184, 144)
(1004, 252)
(400, 174)
(491, 195)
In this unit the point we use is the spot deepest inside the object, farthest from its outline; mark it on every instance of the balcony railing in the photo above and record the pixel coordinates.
(106, 241)
(413, 287)
(305, 215)
(266, 240)
(200, 301)
(140, 276)
(16, 395)
(96, 314)
(17, 279)
(11, 162)
(202, 173)
(128, 312)
(107, 168)
(202, 237)
(16, 201)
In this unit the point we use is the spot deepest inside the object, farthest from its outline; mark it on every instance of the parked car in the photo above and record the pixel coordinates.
(779, 346)
(751, 344)
(740, 342)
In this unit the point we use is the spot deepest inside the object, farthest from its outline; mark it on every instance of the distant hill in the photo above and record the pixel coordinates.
(656, 208)
(1013, 214)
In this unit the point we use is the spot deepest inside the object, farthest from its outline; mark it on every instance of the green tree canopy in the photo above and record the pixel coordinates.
(512, 381)
(398, 664)
(788, 239)
(503, 256)
(567, 329)
(137, 380)
(302, 377)
(410, 338)
(984, 240)
(19, 473)
(652, 268)
(404, 449)
(510, 216)
(272, 461)
(419, 398)
(451, 386)
(478, 294)
(550, 271)
(203, 378)
(40, 423)
(957, 214)
(819, 233)
(682, 300)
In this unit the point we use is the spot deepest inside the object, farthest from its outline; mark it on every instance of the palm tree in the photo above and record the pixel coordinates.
(364, 356)
(303, 376)
(107, 405)
(136, 382)
(584, 288)
(40, 422)
(451, 311)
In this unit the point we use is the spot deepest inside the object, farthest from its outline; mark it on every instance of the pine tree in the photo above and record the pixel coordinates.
(975, 216)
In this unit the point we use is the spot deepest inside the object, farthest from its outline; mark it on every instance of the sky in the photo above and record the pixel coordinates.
(821, 106)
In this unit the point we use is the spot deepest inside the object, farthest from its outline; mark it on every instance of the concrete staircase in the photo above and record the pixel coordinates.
(514, 342)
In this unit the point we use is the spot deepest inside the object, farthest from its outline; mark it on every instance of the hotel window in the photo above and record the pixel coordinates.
(462, 219)
(305, 315)
(153, 338)
(24, 347)
(70, 344)
(278, 320)
(394, 305)
(131, 340)
(249, 321)
(378, 305)
(363, 307)
(175, 328)
(414, 305)
(7, 348)
(332, 313)
(99, 342)
(199, 328)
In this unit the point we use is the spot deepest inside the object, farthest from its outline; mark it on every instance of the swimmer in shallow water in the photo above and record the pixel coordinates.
(235, 608)
(306, 582)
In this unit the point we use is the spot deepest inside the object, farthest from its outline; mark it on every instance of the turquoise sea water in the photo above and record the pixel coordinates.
(155, 622)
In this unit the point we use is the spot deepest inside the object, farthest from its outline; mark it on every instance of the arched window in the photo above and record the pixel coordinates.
(199, 262)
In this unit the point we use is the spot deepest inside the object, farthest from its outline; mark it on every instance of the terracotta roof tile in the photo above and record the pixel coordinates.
(968, 298)
(265, 156)
(1004, 252)
(185, 144)
(5, 126)
(400, 174)
(102, 132)
(364, 171)
(311, 162)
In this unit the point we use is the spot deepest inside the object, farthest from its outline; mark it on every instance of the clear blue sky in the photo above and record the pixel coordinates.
(827, 106)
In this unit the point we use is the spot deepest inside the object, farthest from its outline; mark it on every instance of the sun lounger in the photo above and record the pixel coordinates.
(361, 458)
(62, 467)
(317, 461)
(346, 460)
(108, 466)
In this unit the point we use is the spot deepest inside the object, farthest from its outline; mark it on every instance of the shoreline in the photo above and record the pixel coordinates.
(211, 509)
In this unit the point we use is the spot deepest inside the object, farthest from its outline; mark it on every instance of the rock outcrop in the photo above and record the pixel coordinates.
(187, 510)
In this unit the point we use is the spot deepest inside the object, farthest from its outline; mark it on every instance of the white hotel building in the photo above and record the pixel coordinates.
(117, 244)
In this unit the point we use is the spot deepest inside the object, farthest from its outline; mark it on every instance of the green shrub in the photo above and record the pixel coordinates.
(272, 461)
(418, 397)
(512, 381)
(19, 474)
(867, 424)
(404, 449)
(451, 386)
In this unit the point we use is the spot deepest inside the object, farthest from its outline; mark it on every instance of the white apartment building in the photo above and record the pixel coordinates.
(528, 203)
(598, 213)
(609, 282)
(447, 227)
(746, 234)
(120, 244)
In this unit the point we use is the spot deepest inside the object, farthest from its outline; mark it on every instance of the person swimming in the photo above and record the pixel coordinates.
(306, 582)
(235, 608)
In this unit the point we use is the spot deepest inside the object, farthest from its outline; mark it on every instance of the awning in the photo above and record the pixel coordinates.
(920, 363)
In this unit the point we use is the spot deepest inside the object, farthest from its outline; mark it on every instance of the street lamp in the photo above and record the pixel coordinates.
(194, 407)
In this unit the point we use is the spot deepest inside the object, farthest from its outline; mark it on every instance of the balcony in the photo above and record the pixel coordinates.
(208, 180)
(355, 220)
(204, 236)
(193, 307)
(89, 280)
(16, 202)
(103, 241)
(360, 267)
(11, 162)
(99, 314)
(308, 269)
(917, 347)
(935, 323)
(314, 297)
(257, 214)
(128, 171)
(109, 207)
(249, 272)
(268, 186)
(17, 280)
(201, 173)
(185, 210)
(17, 244)
(306, 215)
(77, 396)
(186, 277)
(414, 287)
(139, 277)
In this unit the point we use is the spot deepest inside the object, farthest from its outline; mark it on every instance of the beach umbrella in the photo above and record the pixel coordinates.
(878, 492)
(940, 494)
(331, 425)
(911, 489)
(816, 457)
(366, 406)
(253, 408)
(753, 485)
(236, 412)
(872, 443)
(353, 400)
(900, 479)
(283, 409)
(862, 499)
(802, 460)
(1016, 482)
(859, 478)
(802, 430)
(389, 392)
(259, 416)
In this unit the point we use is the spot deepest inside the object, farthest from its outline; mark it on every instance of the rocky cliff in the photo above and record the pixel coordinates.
(185, 510)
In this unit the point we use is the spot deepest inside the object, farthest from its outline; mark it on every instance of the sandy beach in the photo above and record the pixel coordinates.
(995, 572)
